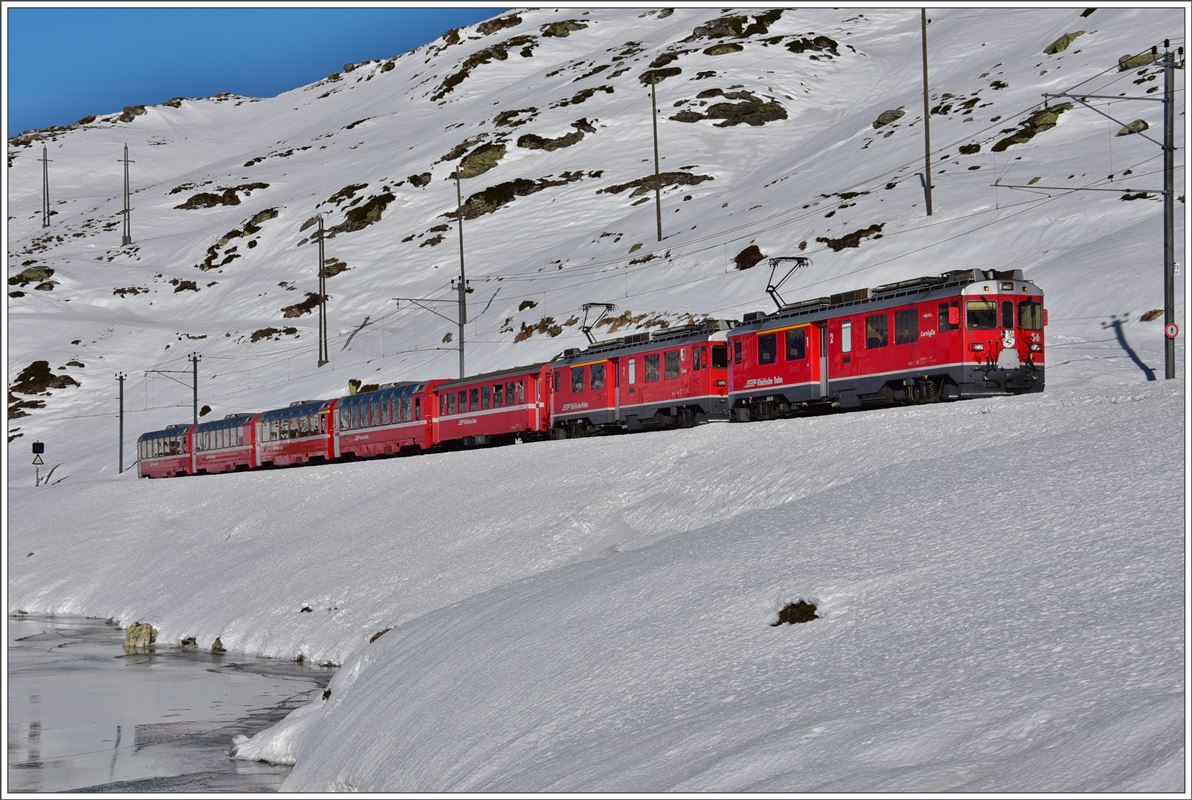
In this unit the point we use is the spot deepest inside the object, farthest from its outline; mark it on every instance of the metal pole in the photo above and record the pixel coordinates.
(194, 361)
(120, 378)
(45, 188)
(657, 178)
(463, 281)
(322, 300)
(127, 238)
(926, 116)
(1168, 213)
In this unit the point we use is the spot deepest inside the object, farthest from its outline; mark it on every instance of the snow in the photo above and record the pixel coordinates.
(1000, 582)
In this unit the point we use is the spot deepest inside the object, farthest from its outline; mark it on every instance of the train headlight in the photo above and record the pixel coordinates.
(722, 382)
(1036, 348)
(976, 347)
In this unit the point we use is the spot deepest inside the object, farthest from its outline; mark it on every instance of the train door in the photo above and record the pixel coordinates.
(614, 367)
(822, 344)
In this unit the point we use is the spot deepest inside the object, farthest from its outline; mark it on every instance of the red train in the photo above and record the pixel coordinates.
(966, 333)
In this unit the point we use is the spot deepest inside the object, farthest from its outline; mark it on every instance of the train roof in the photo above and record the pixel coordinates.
(394, 389)
(166, 433)
(229, 421)
(885, 294)
(527, 369)
(648, 340)
(299, 408)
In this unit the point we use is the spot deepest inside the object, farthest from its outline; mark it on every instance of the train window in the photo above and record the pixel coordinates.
(697, 359)
(1007, 313)
(462, 398)
(1030, 315)
(498, 395)
(846, 337)
(945, 318)
(521, 392)
(877, 331)
(375, 405)
(652, 367)
(597, 376)
(906, 326)
(577, 379)
(671, 364)
(767, 348)
(417, 408)
(720, 356)
(449, 398)
(796, 344)
(632, 371)
(486, 397)
(473, 400)
(736, 351)
(981, 315)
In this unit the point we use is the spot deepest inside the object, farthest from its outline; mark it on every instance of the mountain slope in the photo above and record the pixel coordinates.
(373, 149)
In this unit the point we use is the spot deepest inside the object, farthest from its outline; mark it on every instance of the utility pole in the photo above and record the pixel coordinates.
(127, 238)
(926, 116)
(1168, 212)
(194, 363)
(120, 378)
(463, 281)
(45, 188)
(322, 300)
(657, 178)
(1170, 329)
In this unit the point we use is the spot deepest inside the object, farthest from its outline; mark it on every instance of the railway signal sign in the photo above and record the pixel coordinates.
(1172, 330)
(37, 462)
(38, 448)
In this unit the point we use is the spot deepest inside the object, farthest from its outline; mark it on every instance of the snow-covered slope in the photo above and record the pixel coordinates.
(1000, 583)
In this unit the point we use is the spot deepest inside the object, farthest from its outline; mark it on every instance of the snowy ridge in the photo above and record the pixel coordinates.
(1000, 582)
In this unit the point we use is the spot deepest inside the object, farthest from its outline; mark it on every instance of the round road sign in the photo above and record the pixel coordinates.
(1172, 330)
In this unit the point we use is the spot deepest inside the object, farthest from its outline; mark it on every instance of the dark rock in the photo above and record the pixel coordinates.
(748, 257)
(886, 117)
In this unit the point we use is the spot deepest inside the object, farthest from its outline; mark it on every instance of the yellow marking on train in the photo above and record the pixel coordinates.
(787, 328)
(584, 364)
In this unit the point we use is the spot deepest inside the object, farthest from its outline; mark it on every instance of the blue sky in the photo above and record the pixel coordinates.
(66, 63)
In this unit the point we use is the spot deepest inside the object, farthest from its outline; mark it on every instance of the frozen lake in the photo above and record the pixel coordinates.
(85, 715)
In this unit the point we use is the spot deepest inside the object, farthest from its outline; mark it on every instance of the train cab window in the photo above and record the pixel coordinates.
(671, 364)
(1007, 313)
(877, 331)
(796, 344)
(1030, 315)
(652, 367)
(736, 351)
(846, 337)
(486, 397)
(981, 315)
(906, 326)
(632, 371)
(767, 348)
(577, 379)
(498, 395)
(945, 317)
(597, 376)
(697, 359)
(719, 356)
(473, 400)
